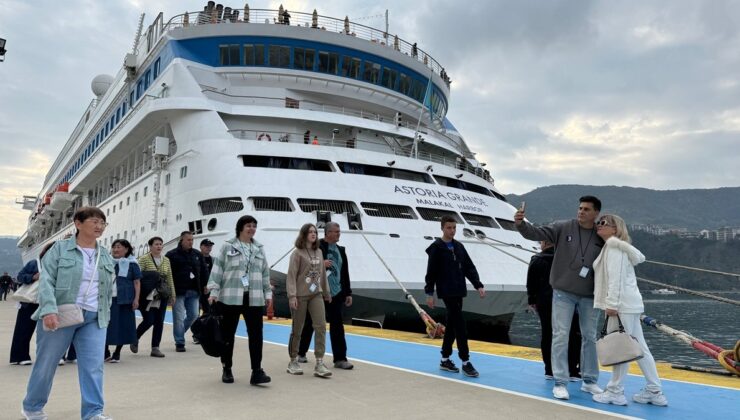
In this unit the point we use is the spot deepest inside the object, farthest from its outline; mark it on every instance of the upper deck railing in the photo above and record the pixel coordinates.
(311, 22)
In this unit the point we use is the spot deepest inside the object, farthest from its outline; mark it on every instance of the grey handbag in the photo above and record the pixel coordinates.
(70, 314)
(617, 346)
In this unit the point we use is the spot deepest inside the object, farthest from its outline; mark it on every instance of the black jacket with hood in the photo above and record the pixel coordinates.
(447, 270)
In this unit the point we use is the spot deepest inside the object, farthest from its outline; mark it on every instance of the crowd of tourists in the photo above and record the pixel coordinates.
(86, 298)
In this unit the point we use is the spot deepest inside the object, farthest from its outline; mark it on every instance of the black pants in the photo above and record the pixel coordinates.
(334, 312)
(24, 328)
(154, 317)
(4, 292)
(544, 311)
(253, 318)
(455, 330)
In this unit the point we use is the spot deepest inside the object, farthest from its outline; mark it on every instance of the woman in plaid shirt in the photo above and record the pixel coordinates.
(240, 285)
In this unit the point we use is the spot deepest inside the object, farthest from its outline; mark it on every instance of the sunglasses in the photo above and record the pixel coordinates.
(602, 222)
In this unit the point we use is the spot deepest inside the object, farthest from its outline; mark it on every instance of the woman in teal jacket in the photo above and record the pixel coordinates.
(74, 271)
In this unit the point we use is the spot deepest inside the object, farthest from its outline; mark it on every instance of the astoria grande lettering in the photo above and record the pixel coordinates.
(426, 192)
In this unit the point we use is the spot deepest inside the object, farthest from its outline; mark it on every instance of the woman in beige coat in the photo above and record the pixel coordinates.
(306, 284)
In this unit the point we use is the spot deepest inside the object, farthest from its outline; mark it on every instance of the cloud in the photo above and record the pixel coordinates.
(571, 91)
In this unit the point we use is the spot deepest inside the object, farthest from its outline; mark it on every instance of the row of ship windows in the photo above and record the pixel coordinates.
(112, 121)
(281, 162)
(309, 205)
(283, 56)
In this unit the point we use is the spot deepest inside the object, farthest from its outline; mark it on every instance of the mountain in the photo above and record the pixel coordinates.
(693, 209)
(10, 256)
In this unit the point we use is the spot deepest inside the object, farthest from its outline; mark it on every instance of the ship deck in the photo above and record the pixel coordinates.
(395, 376)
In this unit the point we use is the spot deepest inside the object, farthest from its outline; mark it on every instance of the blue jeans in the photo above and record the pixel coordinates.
(563, 306)
(89, 340)
(186, 311)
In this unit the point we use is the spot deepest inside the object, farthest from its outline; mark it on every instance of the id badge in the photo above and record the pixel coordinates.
(584, 272)
(312, 288)
(192, 276)
(245, 281)
(308, 280)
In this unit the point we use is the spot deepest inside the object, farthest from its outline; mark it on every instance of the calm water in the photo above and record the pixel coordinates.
(709, 320)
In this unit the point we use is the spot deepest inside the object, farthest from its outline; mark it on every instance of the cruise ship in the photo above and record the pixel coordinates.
(292, 118)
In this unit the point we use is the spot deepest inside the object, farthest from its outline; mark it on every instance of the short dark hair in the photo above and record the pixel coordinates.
(182, 235)
(243, 221)
(591, 199)
(155, 238)
(126, 244)
(85, 213)
(446, 219)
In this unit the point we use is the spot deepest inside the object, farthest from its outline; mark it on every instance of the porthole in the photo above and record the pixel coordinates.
(212, 224)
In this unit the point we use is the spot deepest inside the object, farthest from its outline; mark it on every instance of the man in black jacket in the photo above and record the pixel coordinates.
(539, 297)
(337, 273)
(188, 272)
(448, 266)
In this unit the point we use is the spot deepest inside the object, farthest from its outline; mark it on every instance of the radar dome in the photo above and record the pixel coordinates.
(100, 84)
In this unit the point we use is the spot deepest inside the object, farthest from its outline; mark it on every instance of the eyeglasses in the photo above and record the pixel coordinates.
(97, 222)
(603, 222)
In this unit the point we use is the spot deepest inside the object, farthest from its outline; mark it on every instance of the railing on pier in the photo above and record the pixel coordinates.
(310, 22)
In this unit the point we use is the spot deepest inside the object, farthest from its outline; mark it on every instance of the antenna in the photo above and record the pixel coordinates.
(135, 48)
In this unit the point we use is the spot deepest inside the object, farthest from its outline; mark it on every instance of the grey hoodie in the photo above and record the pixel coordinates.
(572, 252)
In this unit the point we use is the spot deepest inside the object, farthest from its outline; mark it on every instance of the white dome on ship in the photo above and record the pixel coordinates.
(100, 84)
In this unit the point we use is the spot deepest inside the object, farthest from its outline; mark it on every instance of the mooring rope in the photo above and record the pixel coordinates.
(703, 270)
(691, 292)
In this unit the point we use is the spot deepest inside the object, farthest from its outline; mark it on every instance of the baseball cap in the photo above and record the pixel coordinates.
(206, 242)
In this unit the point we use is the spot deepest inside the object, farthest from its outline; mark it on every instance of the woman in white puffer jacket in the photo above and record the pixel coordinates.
(616, 292)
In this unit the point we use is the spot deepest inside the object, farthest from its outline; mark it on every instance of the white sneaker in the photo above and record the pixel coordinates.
(560, 392)
(321, 370)
(101, 416)
(649, 397)
(592, 388)
(34, 415)
(25, 363)
(608, 397)
(61, 362)
(294, 368)
(301, 359)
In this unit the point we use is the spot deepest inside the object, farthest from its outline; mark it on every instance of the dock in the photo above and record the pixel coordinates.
(396, 376)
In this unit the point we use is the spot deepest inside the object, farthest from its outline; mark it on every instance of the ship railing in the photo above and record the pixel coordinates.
(308, 21)
(317, 106)
(363, 144)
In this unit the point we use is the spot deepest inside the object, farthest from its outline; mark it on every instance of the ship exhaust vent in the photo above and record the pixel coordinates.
(272, 204)
(435, 215)
(480, 220)
(388, 210)
(507, 224)
(309, 205)
(221, 205)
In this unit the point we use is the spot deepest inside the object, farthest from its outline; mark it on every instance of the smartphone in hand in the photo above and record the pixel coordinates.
(523, 206)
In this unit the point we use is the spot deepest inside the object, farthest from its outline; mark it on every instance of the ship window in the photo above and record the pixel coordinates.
(145, 190)
(221, 205)
(136, 196)
(139, 89)
(328, 62)
(417, 90)
(372, 72)
(462, 185)
(383, 171)
(287, 163)
(388, 210)
(499, 196)
(167, 179)
(131, 98)
(156, 69)
(480, 220)
(506, 224)
(309, 205)
(436, 214)
(254, 54)
(272, 204)
(147, 79)
(303, 59)
(351, 67)
(389, 78)
(404, 84)
(120, 205)
(229, 55)
(183, 172)
(279, 56)
(128, 201)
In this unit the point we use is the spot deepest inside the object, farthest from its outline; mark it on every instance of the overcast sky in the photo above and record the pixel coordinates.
(635, 93)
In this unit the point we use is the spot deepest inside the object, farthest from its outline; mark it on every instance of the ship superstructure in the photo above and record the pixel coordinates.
(226, 112)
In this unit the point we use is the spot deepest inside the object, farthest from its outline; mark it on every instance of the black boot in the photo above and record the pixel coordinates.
(259, 377)
(227, 377)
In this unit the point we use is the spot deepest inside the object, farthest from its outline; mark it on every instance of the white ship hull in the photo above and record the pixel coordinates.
(214, 169)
